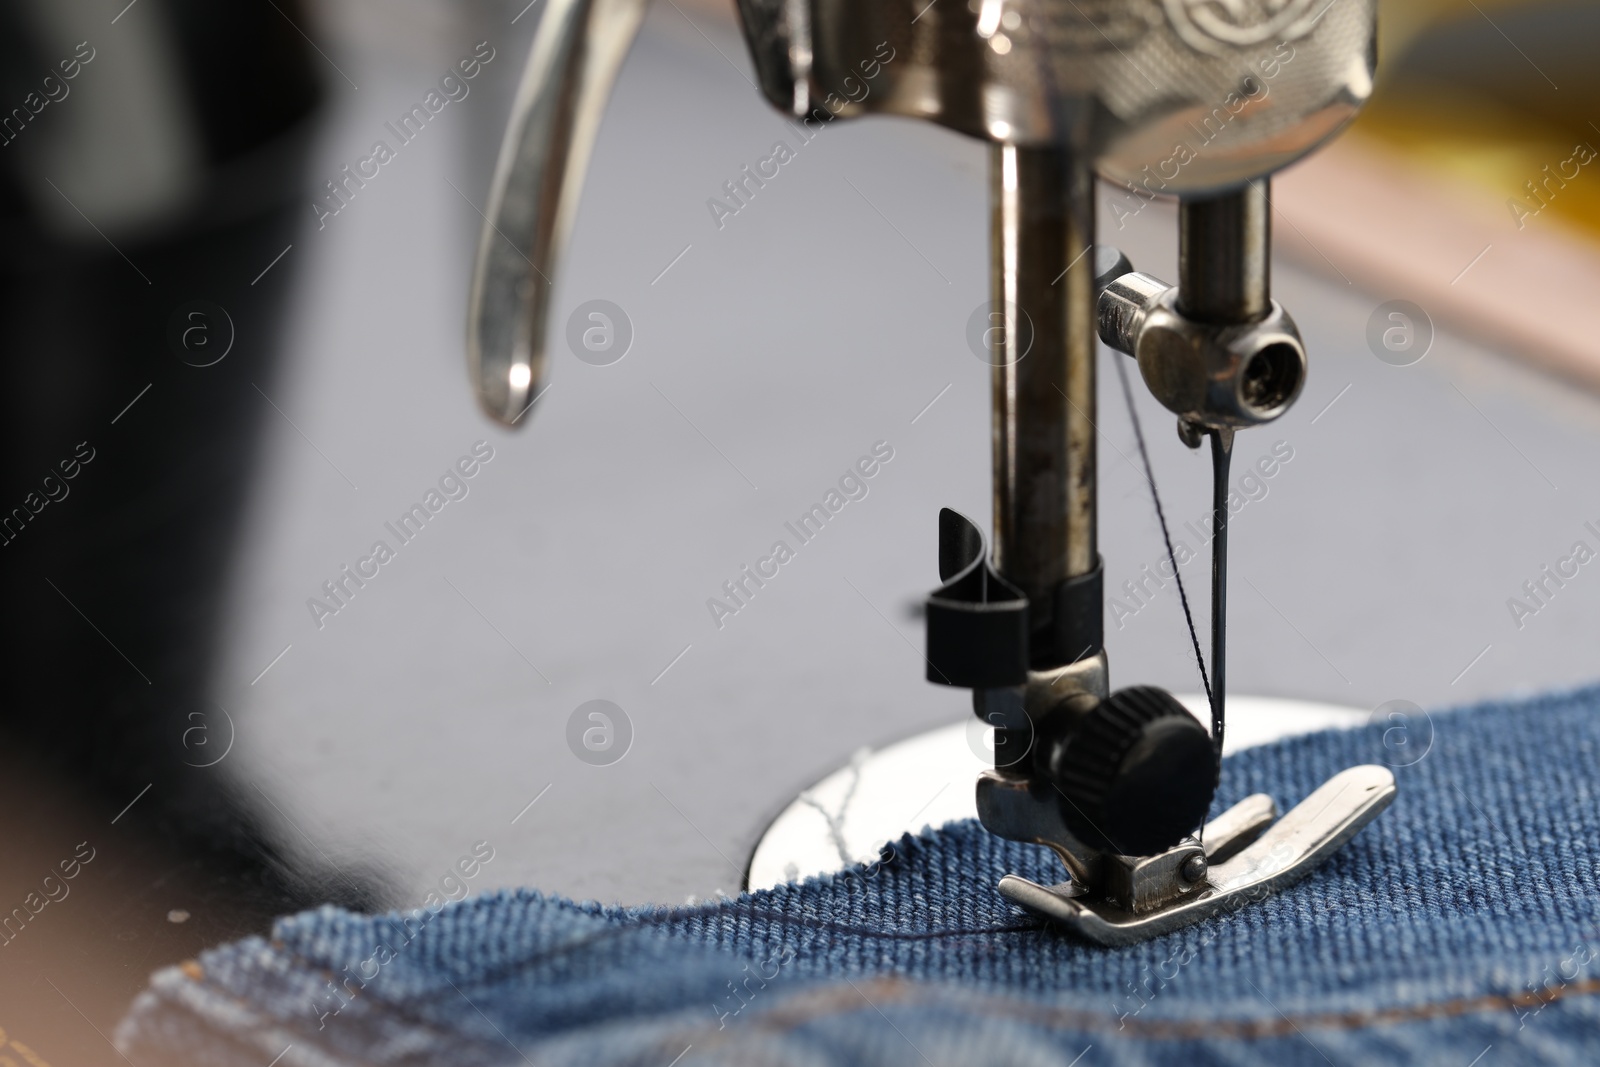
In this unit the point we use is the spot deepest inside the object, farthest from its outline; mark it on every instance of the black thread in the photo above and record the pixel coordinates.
(1161, 515)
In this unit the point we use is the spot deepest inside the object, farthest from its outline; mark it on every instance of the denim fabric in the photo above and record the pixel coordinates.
(1462, 928)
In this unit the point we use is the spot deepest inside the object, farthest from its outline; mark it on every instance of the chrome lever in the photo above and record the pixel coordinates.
(577, 51)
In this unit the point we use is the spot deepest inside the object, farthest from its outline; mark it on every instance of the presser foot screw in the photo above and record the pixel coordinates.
(1194, 868)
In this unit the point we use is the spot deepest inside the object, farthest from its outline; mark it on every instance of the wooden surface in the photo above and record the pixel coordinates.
(1368, 217)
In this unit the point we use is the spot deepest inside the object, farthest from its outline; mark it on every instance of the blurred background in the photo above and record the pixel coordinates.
(223, 378)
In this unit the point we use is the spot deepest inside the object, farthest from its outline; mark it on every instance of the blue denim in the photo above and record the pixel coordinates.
(1462, 928)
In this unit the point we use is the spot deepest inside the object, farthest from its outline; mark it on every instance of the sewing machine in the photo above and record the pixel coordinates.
(1186, 98)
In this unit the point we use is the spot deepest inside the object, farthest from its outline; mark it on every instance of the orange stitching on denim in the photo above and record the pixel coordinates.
(837, 1001)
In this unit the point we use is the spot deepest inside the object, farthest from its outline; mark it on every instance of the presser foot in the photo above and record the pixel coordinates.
(1246, 857)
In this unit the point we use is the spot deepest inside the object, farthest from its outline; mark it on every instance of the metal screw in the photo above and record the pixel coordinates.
(1194, 868)
(1191, 433)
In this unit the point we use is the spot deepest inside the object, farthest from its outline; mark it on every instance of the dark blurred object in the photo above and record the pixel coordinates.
(140, 208)
(178, 113)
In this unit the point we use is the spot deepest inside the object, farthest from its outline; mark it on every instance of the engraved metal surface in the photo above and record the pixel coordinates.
(1171, 97)
(1210, 24)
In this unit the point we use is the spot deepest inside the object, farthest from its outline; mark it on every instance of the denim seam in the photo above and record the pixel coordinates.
(911, 995)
